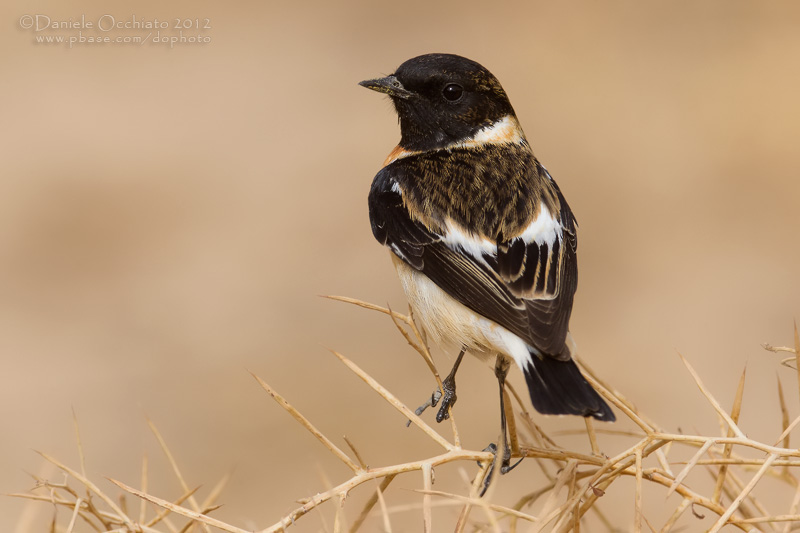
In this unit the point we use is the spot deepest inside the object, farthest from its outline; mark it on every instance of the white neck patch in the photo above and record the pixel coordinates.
(505, 131)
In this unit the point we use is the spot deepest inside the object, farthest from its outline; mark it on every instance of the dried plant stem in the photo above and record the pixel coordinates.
(735, 504)
(308, 425)
(420, 345)
(392, 399)
(592, 435)
(75, 514)
(165, 511)
(92, 487)
(427, 483)
(177, 509)
(475, 488)
(685, 503)
(793, 508)
(372, 501)
(714, 403)
(376, 473)
(480, 503)
(797, 352)
(573, 483)
(637, 517)
(784, 416)
(192, 501)
(726, 453)
(143, 503)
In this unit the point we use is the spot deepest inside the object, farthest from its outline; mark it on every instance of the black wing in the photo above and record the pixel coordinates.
(525, 287)
(545, 275)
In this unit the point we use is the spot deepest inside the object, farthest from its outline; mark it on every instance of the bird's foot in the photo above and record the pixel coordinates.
(504, 462)
(448, 398)
(430, 402)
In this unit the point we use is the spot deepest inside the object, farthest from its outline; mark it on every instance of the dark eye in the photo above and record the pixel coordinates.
(452, 92)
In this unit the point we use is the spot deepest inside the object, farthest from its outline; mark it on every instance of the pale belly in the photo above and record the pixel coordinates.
(451, 324)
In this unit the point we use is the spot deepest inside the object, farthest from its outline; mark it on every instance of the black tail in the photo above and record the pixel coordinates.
(559, 388)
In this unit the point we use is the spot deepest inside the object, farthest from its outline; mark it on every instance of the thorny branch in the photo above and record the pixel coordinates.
(559, 505)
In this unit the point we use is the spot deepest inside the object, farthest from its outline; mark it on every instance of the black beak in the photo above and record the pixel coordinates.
(389, 85)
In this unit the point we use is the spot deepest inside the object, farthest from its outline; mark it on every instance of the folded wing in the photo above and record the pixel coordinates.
(526, 284)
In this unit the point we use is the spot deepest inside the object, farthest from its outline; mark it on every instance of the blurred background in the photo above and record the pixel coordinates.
(169, 216)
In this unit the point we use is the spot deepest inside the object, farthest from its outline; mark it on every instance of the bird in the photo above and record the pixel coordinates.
(481, 236)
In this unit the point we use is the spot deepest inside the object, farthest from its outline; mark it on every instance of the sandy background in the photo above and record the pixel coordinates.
(168, 217)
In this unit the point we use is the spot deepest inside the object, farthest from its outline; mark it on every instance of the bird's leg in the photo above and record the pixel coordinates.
(501, 371)
(503, 455)
(448, 397)
(449, 386)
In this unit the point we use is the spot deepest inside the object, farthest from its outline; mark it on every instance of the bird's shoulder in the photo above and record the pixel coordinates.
(493, 191)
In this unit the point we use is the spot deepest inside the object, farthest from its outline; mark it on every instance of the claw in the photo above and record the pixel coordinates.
(507, 467)
(430, 402)
(436, 396)
(504, 460)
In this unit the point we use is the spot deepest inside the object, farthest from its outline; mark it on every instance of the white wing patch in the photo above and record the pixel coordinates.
(544, 229)
(533, 262)
(457, 238)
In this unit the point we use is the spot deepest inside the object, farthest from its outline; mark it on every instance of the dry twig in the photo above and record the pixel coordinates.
(645, 457)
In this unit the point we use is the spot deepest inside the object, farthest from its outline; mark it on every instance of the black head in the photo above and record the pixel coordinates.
(442, 99)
